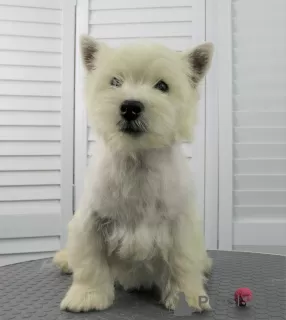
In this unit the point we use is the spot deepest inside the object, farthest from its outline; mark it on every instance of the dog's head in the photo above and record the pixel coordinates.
(142, 96)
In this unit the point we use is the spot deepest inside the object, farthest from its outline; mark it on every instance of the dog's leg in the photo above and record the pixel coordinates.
(93, 285)
(185, 271)
(61, 261)
(189, 281)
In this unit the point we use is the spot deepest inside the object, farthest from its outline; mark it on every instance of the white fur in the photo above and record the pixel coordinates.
(137, 222)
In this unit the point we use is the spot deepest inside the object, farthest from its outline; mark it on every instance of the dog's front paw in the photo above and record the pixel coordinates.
(172, 301)
(61, 261)
(82, 298)
(198, 301)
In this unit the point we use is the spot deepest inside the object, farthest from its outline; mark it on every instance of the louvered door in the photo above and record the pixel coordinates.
(35, 125)
(257, 149)
(178, 24)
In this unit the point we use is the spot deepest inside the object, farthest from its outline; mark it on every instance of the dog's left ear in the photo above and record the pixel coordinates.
(199, 60)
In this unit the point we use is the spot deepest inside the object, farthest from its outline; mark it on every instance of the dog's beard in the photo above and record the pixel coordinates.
(135, 127)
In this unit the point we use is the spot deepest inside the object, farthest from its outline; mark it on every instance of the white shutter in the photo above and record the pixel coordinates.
(259, 127)
(34, 127)
(178, 24)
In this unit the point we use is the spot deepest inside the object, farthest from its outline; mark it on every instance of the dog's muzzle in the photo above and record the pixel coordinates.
(132, 121)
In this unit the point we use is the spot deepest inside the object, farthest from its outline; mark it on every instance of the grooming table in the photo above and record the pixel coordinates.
(33, 290)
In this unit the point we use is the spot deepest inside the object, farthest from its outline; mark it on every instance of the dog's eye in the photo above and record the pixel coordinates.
(115, 82)
(162, 86)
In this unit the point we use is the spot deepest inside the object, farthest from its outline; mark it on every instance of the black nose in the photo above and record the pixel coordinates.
(130, 110)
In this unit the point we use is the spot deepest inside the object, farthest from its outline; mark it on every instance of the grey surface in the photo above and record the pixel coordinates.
(33, 290)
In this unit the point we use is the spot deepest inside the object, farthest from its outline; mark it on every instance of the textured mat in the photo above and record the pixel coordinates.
(33, 290)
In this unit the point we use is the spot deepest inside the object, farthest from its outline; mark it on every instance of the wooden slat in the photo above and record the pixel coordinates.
(126, 4)
(29, 225)
(32, 118)
(30, 29)
(26, 73)
(261, 150)
(273, 17)
(262, 101)
(252, 63)
(259, 212)
(260, 198)
(247, 74)
(175, 43)
(259, 233)
(28, 245)
(30, 103)
(18, 43)
(140, 15)
(30, 148)
(23, 14)
(30, 207)
(29, 178)
(30, 163)
(37, 59)
(28, 193)
(260, 119)
(248, 53)
(30, 133)
(261, 181)
(48, 4)
(31, 88)
(243, 8)
(138, 30)
(250, 85)
(260, 135)
(260, 166)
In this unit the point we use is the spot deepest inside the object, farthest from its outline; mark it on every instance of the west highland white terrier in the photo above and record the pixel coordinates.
(137, 224)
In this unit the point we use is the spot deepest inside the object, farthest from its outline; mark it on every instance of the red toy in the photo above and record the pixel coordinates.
(242, 296)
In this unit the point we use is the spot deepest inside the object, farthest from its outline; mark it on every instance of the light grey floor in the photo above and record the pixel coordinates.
(33, 290)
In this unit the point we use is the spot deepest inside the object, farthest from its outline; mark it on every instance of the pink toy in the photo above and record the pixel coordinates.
(242, 296)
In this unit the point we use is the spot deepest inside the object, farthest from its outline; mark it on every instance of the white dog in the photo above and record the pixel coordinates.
(137, 224)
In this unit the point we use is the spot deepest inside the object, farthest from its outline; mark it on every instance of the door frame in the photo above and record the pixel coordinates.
(67, 115)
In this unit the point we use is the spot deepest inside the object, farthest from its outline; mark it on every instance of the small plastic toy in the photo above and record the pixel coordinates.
(242, 296)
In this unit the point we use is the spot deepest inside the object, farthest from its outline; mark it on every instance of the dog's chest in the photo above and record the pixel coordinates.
(131, 192)
(138, 243)
(142, 191)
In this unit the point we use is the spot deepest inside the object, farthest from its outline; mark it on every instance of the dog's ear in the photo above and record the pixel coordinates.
(89, 50)
(199, 60)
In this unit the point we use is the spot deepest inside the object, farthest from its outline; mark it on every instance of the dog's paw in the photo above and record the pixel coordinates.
(198, 302)
(171, 301)
(81, 298)
(61, 261)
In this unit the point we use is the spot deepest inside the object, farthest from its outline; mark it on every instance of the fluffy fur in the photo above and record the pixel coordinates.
(136, 224)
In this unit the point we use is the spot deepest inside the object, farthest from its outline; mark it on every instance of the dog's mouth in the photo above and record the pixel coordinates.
(134, 128)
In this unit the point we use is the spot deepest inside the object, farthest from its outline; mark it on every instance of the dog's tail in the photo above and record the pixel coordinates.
(61, 261)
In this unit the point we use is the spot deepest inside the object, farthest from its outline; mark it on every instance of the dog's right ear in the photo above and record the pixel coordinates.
(89, 50)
